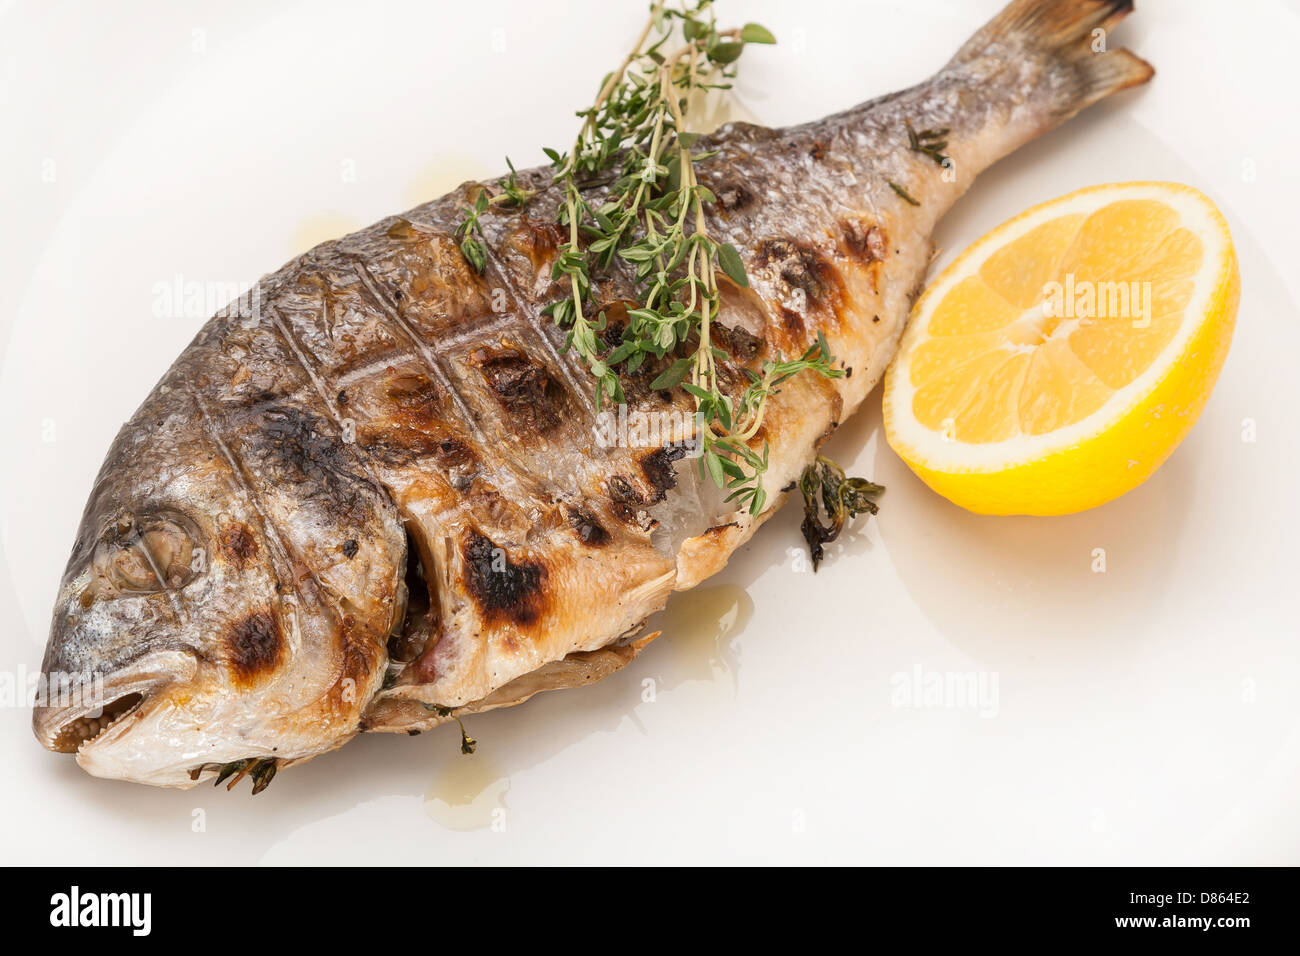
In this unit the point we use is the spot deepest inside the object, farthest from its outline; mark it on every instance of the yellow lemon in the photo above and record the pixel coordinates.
(1061, 358)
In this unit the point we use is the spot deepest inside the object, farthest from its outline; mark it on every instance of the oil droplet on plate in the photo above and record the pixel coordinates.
(444, 173)
(318, 228)
(468, 792)
(698, 628)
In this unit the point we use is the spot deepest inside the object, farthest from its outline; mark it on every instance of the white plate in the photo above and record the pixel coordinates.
(1144, 714)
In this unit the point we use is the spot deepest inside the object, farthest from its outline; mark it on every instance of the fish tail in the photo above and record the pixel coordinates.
(1071, 38)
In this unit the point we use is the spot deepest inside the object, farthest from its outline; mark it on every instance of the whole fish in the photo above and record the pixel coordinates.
(371, 495)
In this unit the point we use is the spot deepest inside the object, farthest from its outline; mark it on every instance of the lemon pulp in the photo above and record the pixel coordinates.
(1060, 359)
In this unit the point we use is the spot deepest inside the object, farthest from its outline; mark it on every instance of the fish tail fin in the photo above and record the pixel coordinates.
(1073, 36)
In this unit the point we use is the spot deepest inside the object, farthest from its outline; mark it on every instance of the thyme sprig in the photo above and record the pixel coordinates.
(825, 488)
(635, 138)
(930, 142)
(903, 193)
(467, 743)
(653, 218)
(470, 231)
(261, 770)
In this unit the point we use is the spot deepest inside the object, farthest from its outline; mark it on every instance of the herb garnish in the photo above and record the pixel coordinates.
(652, 216)
(511, 194)
(931, 142)
(825, 487)
(260, 769)
(467, 743)
(903, 193)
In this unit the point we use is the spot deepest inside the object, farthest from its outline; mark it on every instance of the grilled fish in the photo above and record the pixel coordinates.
(369, 495)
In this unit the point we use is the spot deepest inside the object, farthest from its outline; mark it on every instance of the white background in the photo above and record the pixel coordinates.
(1147, 715)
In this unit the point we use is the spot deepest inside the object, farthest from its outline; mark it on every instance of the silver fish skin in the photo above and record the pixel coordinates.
(370, 496)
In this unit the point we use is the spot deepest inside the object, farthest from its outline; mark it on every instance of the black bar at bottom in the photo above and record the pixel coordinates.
(187, 905)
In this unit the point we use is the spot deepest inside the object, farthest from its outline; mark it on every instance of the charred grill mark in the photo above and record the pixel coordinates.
(415, 402)
(740, 343)
(621, 491)
(400, 447)
(453, 453)
(523, 387)
(792, 323)
(537, 239)
(837, 409)
(318, 384)
(616, 319)
(800, 267)
(658, 470)
(865, 241)
(415, 392)
(588, 527)
(502, 589)
(403, 332)
(255, 645)
(733, 197)
(267, 396)
(415, 428)
(627, 501)
(280, 550)
(238, 544)
(579, 383)
(523, 311)
(298, 451)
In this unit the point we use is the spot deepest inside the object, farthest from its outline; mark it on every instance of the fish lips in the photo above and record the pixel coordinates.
(89, 716)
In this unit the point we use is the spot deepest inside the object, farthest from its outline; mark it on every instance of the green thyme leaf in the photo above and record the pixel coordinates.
(726, 52)
(474, 253)
(903, 193)
(729, 259)
(755, 33)
(673, 374)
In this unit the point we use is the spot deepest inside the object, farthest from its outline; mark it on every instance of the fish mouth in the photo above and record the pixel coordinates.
(76, 715)
(67, 731)
(95, 713)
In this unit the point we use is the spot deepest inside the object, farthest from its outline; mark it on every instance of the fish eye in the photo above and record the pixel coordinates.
(145, 554)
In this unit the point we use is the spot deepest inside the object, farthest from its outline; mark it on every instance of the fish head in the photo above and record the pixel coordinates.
(229, 596)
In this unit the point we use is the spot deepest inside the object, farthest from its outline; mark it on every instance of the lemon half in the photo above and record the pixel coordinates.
(1058, 361)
